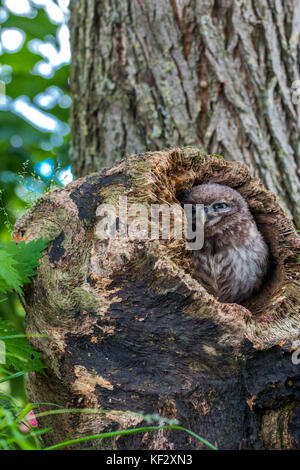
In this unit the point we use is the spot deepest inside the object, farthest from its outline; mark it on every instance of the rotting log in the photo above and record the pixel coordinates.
(130, 330)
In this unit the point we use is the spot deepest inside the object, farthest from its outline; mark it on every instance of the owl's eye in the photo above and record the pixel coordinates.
(220, 206)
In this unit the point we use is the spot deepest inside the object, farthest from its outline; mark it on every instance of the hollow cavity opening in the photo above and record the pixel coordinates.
(210, 256)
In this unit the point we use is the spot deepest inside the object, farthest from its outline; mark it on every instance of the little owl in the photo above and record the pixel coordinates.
(233, 261)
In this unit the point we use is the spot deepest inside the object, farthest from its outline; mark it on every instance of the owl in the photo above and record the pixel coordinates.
(234, 259)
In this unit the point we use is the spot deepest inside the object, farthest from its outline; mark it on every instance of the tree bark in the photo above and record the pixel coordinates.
(130, 330)
(216, 74)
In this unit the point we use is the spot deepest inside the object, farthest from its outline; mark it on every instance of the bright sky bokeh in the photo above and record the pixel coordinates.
(52, 58)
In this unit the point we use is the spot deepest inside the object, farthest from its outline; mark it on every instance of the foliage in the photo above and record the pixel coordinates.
(12, 417)
(18, 262)
(127, 432)
(36, 78)
(19, 354)
(33, 96)
(17, 357)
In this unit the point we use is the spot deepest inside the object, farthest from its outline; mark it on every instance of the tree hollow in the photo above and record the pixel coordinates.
(130, 330)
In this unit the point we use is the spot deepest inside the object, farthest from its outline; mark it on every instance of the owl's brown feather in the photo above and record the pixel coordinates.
(234, 259)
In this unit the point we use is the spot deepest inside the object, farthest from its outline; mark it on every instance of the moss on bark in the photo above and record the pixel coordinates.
(130, 330)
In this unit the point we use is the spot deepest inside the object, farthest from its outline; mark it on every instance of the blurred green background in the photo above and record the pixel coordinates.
(34, 113)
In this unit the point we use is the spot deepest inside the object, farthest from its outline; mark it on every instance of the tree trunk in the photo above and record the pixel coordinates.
(216, 74)
(130, 330)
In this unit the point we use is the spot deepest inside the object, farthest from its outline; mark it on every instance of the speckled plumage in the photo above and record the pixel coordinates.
(234, 259)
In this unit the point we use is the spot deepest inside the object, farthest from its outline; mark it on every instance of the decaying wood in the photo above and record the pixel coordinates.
(131, 331)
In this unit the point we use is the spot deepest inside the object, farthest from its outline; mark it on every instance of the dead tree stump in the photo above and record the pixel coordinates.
(130, 330)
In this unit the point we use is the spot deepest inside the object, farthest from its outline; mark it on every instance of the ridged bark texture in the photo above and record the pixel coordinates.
(218, 74)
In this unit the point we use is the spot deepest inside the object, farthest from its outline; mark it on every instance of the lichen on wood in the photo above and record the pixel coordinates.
(130, 330)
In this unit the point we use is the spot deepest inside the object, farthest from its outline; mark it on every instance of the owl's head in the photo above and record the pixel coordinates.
(224, 207)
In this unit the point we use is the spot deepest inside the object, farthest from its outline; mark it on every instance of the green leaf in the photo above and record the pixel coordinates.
(19, 354)
(27, 256)
(18, 262)
(9, 276)
(39, 27)
(11, 377)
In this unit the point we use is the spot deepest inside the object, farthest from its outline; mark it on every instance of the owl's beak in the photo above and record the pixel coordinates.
(207, 214)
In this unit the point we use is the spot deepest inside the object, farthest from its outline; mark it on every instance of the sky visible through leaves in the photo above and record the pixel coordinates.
(34, 132)
(34, 103)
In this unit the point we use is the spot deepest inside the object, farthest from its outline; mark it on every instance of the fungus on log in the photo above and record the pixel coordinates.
(130, 330)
